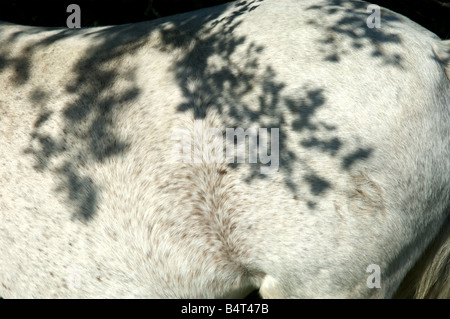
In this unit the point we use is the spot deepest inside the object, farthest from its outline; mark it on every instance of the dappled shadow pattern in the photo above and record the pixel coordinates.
(88, 135)
(223, 89)
(350, 23)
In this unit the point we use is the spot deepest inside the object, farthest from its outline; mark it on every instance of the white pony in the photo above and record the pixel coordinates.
(94, 201)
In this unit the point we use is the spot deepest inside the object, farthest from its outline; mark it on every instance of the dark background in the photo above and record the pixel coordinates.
(432, 14)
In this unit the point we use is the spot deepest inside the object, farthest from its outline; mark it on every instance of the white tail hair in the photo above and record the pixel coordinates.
(430, 277)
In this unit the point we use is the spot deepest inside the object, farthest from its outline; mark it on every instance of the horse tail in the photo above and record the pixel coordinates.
(430, 276)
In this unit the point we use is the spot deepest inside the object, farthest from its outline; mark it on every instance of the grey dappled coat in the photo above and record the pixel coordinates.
(94, 201)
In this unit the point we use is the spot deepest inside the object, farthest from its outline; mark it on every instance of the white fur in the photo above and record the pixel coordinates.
(91, 204)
